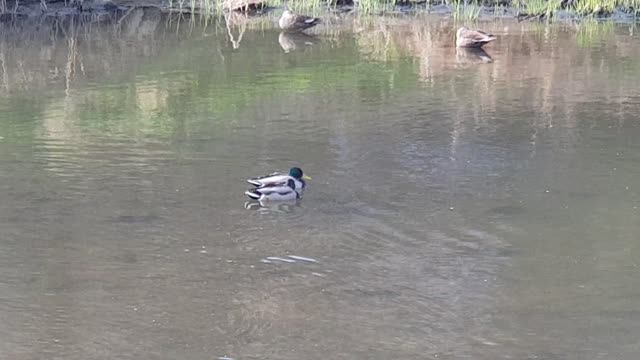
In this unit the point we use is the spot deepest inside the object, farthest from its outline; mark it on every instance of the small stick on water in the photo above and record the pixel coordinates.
(302, 258)
(280, 259)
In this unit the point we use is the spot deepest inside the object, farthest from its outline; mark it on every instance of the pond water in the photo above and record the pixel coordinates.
(462, 205)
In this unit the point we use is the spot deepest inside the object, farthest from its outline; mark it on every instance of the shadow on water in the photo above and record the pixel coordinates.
(464, 204)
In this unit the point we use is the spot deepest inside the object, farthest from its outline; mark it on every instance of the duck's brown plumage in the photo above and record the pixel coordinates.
(296, 22)
(472, 38)
(290, 41)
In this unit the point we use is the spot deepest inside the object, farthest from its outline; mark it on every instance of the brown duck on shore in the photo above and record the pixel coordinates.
(292, 22)
(472, 38)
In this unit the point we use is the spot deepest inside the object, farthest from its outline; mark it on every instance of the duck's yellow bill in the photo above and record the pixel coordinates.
(306, 177)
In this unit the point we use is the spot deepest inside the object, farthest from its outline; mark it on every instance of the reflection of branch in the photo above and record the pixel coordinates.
(72, 44)
(243, 27)
(3, 61)
(119, 22)
(23, 73)
(81, 61)
(70, 69)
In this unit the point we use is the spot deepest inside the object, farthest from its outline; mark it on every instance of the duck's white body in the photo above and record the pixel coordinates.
(274, 193)
(276, 179)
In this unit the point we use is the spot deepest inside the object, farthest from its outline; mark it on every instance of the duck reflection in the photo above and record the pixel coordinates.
(472, 56)
(274, 206)
(292, 41)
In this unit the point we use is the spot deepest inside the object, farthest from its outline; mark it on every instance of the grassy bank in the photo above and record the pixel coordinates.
(601, 8)
(462, 9)
(459, 8)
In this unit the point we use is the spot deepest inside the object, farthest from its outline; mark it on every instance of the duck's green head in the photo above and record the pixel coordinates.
(296, 173)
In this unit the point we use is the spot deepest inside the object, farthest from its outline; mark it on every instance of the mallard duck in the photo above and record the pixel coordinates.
(472, 38)
(277, 179)
(275, 193)
(295, 22)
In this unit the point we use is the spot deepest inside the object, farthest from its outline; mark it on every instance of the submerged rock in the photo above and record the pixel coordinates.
(243, 5)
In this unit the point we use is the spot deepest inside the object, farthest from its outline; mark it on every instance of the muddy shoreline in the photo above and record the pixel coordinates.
(96, 10)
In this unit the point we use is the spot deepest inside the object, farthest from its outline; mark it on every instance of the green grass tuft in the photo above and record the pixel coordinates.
(466, 11)
(542, 8)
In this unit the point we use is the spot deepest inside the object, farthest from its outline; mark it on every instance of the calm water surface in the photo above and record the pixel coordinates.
(459, 208)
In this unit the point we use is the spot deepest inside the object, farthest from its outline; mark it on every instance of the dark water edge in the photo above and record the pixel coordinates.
(99, 10)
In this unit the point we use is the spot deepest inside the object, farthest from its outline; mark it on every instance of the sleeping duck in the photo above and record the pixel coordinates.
(466, 38)
(292, 22)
